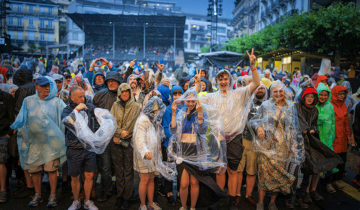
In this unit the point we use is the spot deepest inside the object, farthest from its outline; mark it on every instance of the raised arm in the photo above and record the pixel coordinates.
(255, 74)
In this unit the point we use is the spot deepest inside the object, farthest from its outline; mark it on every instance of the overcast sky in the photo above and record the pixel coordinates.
(200, 7)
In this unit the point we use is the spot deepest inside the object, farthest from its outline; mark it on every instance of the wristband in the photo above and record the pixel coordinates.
(253, 69)
(77, 110)
(200, 118)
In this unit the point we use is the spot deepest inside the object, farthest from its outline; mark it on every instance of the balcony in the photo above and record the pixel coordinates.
(46, 30)
(31, 28)
(201, 40)
(15, 28)
(198, 31)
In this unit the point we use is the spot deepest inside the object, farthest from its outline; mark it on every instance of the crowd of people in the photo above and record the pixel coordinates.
(201, 129)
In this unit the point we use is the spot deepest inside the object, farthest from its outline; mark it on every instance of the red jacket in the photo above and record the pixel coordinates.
(342, 128)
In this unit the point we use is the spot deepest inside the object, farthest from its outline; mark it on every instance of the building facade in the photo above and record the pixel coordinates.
(197, 33)
(33, 24)
(251, 16)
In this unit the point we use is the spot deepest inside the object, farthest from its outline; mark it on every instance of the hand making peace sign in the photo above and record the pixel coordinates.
(252, 58)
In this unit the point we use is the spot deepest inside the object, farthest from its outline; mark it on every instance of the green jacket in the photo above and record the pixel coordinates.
(326, 119)
(125, 113)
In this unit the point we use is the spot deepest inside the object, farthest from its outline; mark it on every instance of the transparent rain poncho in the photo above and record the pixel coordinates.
(283, 140)
(82, 82)
(202, 145)
(77, 123)
(147, 137)
(233, 107)
(40, 132)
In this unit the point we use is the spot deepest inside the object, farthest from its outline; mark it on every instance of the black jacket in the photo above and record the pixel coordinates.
(23, 79)
(7, 114)
(105, 98)
(71, 141)
(356, 124)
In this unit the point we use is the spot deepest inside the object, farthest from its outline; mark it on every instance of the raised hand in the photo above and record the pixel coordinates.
(132, 63)
(160, 66)
(252, 58)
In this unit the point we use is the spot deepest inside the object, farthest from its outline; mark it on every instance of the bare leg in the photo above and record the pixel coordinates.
(88, 183)
(314, 182)
(184, 188)
(28, 179)
(273, 198)
(220, 180)
(194, 191)
(250, 183)
(261, 196)
(309, 184)
(150, 188)
(144, 179)
(3, 172)
(36, 180)
(53, 181)
(232, 182)
(75, 186)
(239, 183)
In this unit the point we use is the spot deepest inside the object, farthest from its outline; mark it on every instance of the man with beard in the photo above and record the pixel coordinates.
(132, 81)
(105, 99)
(234, 109)
(249, 156)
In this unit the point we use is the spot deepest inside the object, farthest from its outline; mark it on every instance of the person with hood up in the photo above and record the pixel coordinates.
(78, 155)
(318, 157)
(248, 160)
(62, 93)
(176, 92)
(342, 130)
(321, 79)
(126, 112)
(165, 94)
(196, 155)
(98, 82)
(234, 108)
(147, 150)
(268, 75)
(40, 136)
(356, 95)
(349, 101)
(105, 99)
(148, 86)
(326, 126)
(278, 143)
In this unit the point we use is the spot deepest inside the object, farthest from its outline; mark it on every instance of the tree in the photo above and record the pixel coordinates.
(333, 30)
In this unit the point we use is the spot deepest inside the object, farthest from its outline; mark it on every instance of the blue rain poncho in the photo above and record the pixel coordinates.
(40, 132)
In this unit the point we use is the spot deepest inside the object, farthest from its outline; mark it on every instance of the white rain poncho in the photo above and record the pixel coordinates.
(202, 145)
(283, 140)
(83, 82)
(77, 123)
(147, 137)
(40, 132)
(233, 107)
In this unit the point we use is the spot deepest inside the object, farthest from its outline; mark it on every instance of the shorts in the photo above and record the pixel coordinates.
(50, 166)
(234, 152)
(79, 159)
(248, 159)
(4, 155)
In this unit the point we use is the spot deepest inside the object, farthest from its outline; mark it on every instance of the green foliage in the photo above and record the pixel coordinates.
(205, 49)
(331, 30)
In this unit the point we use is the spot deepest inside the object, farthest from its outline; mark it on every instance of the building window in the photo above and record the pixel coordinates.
(31, 21)
(50, 37)
(31, 9)
(19, 21)
(11, 21)
(31, 35)
(42, 9)
(19, 8)
(185, 36)
(75, 36)
(42, 23)
(42, 36)
(19, 35)
(50, 11)
(12, 35)
(49, 24)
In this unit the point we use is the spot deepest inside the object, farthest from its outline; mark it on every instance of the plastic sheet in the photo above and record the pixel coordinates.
(283, 140)
(82, 82)
(202, 145)
(40, 133)
(147, 137)
(95, 141)
(233, 107)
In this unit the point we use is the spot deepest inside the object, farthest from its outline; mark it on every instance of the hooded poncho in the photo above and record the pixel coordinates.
(40, 131)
